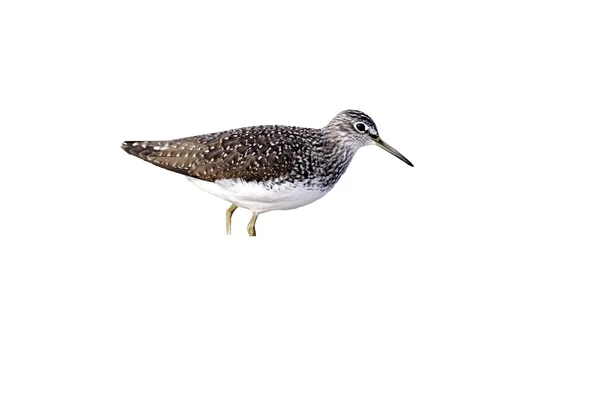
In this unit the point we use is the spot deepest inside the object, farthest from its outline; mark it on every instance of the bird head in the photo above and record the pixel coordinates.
(356, 129)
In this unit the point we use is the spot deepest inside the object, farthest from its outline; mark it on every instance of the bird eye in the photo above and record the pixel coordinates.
(359, 126)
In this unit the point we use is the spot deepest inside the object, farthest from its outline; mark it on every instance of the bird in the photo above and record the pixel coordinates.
(266, 167)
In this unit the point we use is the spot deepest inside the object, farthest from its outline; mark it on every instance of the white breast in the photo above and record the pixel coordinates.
(260, 197)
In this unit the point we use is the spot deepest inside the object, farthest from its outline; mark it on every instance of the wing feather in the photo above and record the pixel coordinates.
(251, 154)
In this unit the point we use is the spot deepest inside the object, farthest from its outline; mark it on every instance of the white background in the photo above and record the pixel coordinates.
(473, 275)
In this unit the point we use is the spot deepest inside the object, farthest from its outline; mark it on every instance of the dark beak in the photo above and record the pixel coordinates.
(391, 150)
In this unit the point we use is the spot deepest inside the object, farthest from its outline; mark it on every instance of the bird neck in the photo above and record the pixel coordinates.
(338, 154)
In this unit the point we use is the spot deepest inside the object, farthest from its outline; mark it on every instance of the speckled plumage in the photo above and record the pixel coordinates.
(256, 153)
(252, 166)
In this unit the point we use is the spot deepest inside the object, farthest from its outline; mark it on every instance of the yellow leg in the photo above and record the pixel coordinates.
(228, 215)
(251, 228)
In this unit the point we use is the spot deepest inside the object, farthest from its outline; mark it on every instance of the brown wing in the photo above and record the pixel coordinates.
(252, 154)
(163, 154)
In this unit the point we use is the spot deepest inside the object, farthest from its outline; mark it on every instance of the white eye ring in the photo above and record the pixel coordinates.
(361, 127)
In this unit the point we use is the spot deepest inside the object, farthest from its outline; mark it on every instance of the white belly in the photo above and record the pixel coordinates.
(261, 197)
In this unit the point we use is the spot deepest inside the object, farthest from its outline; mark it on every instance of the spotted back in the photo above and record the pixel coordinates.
(258, 153)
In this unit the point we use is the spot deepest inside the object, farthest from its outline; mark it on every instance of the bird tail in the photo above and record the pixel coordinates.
(161, 154)
(140, 148)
